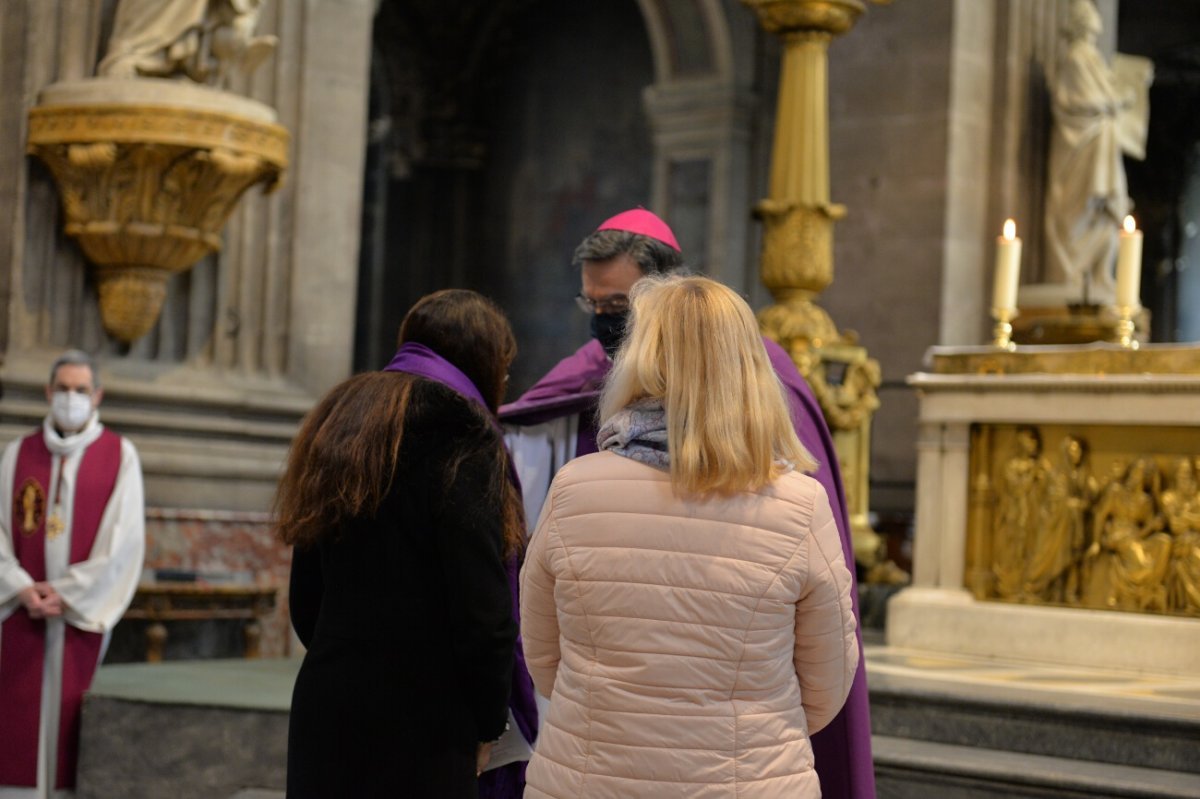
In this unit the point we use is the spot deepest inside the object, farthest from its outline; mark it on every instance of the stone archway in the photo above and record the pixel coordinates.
(701, 108)
(503, 132)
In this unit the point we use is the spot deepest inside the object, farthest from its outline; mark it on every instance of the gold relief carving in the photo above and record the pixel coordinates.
(1181, 505)
(797, 245)
(1129, 556)
(979, 576)
(1072, 516)
(31, 498)
(65, 124)
(849, 403)
(1022, 484)
(799, 326)
(1081, 360)
(146, 191)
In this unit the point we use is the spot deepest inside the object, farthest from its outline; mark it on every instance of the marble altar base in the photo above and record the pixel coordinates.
(951, 621)
(211, 729)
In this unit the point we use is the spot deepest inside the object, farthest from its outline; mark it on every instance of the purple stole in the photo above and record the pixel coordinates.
(22, 639)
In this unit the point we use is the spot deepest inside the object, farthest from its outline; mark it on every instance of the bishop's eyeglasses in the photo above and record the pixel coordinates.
(616, 304)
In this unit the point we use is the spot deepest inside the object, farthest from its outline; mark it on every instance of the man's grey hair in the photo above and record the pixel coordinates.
(76, 358)
(651, 255)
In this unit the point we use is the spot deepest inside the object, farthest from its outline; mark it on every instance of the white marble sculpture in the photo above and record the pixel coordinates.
(205, 40)
(1099, 114)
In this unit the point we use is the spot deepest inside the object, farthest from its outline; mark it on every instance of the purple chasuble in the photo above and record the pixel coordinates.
(842, 750)
(417, 359)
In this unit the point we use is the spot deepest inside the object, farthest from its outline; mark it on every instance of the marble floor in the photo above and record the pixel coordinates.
(1155, 695)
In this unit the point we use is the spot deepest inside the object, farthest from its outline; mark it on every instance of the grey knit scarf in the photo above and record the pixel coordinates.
(638, 431)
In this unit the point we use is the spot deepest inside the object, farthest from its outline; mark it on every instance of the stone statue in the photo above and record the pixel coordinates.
(1181, 505)
(1099, 113)
(203, 40)
(1022, 488)
(1129, 556)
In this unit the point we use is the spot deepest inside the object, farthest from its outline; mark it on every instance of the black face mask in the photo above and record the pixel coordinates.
(609, 330)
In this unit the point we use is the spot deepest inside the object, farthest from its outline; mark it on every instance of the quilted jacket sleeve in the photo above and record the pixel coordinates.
(826, 652)
(539, 618)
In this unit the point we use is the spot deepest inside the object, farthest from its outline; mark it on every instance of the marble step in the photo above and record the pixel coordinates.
(1115, 719)
(914, 769)
(208, 729)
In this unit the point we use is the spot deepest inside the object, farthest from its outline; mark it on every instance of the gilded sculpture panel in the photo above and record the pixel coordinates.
(1102, 517)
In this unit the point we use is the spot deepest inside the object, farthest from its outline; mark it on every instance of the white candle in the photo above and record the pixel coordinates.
(1129, 266)
(1008, 269)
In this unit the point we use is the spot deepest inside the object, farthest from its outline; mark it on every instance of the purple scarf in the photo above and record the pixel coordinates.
(417, 359)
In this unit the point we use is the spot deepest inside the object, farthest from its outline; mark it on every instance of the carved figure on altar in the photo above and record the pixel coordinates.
(1181, 506)
(1100, 113)
(1057, 547)
(1128, 559)
(1022, 489)
(204, 40)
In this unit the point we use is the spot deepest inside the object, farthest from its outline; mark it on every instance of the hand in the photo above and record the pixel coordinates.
(52, 603)
(482, 755)
(32, 601)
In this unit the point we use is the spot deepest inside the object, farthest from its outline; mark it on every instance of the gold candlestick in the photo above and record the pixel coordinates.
(1126, 326)
(1002, 332)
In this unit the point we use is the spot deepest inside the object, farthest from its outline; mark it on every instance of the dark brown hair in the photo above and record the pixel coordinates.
(344, 459)
(468, 330)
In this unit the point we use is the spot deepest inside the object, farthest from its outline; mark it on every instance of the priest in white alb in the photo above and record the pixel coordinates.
(72, 539)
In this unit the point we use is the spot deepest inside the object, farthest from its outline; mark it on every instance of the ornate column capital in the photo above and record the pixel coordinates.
(833, 17)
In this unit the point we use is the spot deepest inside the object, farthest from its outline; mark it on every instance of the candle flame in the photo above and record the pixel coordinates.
(1130, 225)
(1010, 229)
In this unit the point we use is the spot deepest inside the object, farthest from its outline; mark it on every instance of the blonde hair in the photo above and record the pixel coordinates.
(694, 344)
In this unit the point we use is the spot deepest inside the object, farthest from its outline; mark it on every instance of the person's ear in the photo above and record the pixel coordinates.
(97, 396)
(49, 393)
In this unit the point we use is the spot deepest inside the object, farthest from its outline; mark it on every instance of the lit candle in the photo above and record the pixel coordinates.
(1129, 266)
(1008, 269)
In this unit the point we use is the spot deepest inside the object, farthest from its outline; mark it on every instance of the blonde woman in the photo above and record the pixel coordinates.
(685, 603)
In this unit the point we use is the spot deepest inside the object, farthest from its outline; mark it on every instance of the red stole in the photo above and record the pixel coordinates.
(22, 639)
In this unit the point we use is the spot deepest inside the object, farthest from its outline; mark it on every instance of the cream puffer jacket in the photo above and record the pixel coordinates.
(689, 647)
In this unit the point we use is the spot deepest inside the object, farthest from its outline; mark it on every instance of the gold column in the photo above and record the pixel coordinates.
(797, 254)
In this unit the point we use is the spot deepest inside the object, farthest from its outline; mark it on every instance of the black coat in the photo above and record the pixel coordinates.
(407, 618)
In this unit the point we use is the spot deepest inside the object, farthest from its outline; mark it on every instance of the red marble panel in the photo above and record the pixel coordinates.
(224, 545)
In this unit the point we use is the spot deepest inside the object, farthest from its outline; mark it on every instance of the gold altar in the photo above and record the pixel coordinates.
(1056, 493)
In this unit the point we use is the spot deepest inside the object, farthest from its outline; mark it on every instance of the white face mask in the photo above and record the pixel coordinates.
(71, 410)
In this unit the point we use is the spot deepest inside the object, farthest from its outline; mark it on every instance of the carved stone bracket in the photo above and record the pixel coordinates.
(149, 171)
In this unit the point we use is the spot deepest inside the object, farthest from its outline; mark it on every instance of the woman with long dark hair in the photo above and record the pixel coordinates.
(398, 502)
